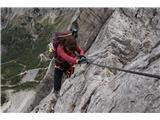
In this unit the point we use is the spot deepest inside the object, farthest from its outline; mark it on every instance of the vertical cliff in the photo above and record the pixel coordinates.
(120, 37)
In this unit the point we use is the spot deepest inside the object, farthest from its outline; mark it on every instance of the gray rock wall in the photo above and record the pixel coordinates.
(85, 25)
(122, 37)
(123, 41)
(90, 21)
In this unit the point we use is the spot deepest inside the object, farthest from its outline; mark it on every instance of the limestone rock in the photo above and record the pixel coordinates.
(135, 47)
(119, 37)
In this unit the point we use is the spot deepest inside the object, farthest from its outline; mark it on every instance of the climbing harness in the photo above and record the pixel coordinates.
(88, 61)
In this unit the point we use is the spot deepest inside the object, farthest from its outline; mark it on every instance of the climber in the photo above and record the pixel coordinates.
(68, 53)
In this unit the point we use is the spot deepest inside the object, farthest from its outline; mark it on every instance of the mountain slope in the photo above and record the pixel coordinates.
(120, 37)
(123, 41)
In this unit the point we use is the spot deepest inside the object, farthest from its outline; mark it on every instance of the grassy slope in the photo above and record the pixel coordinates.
(23, 47)
(18, 39)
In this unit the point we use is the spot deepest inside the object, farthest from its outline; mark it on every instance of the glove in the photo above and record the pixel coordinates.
(82, 60)
(82, 56)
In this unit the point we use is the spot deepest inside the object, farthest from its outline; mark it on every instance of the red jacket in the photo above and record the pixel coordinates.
(68, 56)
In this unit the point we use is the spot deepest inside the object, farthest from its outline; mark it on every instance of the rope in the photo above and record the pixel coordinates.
(124, 70)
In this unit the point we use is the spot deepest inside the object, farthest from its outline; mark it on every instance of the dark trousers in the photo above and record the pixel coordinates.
(58, 73)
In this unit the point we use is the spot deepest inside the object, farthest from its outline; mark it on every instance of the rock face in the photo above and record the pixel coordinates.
(80, 16)
(90, 22)
(123, 37)
(125, 42)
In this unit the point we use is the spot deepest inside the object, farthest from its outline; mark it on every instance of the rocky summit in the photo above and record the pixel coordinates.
(126, 38)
